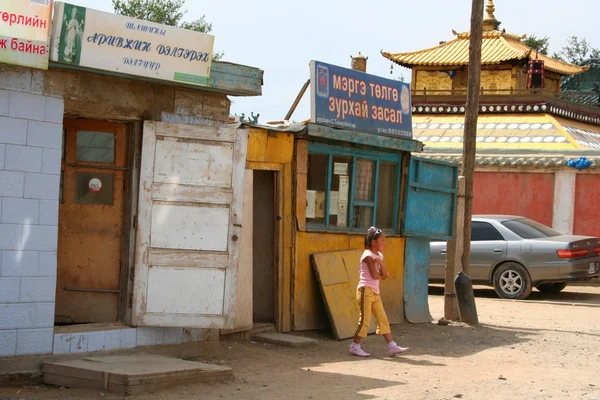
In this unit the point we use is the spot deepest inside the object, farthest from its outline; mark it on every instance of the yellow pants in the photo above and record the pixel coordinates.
(369, 304)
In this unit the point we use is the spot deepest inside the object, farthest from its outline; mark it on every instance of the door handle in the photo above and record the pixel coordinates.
(497, 250)
(443, 251)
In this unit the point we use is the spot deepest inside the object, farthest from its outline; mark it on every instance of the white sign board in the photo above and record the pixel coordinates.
(24, 30)
(98, 40)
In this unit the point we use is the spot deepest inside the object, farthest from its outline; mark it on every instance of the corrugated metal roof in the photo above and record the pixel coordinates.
(497, 47)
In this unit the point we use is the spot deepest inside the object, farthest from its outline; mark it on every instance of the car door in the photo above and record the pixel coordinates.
(437, 260)
(488, 247)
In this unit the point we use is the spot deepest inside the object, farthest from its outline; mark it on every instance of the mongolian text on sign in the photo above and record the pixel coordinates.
(350, 99)
(115, 43)
(24, 29)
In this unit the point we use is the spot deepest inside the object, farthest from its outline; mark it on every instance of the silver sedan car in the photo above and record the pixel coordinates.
(514, 254)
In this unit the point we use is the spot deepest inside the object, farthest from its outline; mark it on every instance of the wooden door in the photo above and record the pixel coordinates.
(189, 226)
(91, 216)
(264, 245)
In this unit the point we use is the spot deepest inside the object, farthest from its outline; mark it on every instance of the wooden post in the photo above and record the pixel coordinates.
(454, 256)
(466, 302)
(472, 112)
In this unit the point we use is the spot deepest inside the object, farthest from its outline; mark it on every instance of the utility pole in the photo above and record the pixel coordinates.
(464, 288)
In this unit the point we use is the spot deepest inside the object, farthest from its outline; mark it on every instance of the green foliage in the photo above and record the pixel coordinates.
(538, 44)
(577, 50)
(166, 12)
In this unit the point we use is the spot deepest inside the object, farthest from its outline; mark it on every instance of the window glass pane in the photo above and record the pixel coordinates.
(93, 188)
(316, 188)
(363, 217)
(339, 194)
(481, 231)
(365, 180)
(95, 147)
(386, 195)
(528, 229)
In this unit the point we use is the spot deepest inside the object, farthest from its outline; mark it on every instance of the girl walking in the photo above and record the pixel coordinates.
(372, 270)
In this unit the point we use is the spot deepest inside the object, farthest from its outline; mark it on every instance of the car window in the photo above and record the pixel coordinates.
(528, 229)
(483, 231)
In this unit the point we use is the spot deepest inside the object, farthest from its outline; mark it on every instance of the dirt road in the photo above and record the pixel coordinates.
(545, 348)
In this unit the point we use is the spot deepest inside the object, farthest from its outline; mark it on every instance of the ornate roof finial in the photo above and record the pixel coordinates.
(490, 23)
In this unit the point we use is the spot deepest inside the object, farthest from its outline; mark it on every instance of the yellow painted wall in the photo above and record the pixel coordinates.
(497, 79)
(432, 80)
(308, 307)
(274, 151)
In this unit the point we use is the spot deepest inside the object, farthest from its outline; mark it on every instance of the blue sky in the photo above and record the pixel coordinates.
(281, 37)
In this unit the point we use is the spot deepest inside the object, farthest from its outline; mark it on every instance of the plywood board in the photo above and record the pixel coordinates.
(338, 291)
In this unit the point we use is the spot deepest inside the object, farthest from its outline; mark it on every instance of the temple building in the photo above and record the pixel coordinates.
(531, 136)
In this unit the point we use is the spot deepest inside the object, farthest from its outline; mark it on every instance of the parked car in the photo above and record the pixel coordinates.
(514, 254)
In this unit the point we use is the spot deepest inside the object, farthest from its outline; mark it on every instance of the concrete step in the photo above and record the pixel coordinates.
(131, 374)
(283, 339)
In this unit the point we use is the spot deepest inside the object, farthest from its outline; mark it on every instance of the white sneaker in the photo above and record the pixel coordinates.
(356, 350)
(394, 349)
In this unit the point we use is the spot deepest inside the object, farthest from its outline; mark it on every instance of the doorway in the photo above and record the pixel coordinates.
(264, 246)
(93, 193)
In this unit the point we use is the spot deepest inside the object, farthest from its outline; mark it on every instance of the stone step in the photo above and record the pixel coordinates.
(283, 339)
(131, 374)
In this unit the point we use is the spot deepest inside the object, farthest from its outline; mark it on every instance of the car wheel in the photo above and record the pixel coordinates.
(511, 281)
(551, 287)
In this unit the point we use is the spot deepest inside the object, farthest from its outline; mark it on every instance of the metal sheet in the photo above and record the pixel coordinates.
(416, 280)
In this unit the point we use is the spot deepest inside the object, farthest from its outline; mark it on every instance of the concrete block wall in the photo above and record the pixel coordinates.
(30, 157)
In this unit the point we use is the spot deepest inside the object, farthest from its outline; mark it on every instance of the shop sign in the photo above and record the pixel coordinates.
(24, 32)
(349, 99)
(98, 40)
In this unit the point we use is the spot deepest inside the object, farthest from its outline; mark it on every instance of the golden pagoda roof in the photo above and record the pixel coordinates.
(497, 48)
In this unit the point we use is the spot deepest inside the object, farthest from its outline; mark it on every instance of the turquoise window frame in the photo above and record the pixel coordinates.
(378, 157)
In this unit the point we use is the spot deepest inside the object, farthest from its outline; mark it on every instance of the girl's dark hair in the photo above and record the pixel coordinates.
(372, 234)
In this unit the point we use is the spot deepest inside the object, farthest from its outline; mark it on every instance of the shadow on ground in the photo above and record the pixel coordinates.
(572, 294)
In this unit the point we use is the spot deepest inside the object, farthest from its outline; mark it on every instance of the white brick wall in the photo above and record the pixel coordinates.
(30, 157)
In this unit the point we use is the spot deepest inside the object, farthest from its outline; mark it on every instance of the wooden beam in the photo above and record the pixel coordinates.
(226, 78)
(297, 101)
(367, 139)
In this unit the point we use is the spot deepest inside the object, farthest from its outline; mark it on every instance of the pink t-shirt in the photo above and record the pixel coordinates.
(366, 279)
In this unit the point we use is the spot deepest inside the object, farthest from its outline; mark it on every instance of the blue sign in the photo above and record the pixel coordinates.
(349, 99)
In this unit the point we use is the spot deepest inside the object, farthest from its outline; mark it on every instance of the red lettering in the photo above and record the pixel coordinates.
(331, 104)
(2, 43)
(395, 94)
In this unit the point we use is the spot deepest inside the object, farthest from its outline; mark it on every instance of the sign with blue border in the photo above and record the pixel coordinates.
(353, 100)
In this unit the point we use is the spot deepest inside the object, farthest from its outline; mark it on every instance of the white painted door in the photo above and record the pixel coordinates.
(189, 226)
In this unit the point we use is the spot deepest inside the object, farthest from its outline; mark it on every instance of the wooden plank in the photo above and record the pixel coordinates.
(384, 142)
(337, 273)
(280, 148)
(190, 227)
(286, 289)
(257, 145)
(236, 70)
(288, 201)
(193, 163)
(242, 83)
(308, 307)
(198, 132)
(243, 316)
(186, 258)
(140, 284)
(301, 183)
(235, 225)
(302, 156)
(187, 193)
(263, 166)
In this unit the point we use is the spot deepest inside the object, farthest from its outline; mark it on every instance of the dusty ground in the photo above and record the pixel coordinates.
(543, 348)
